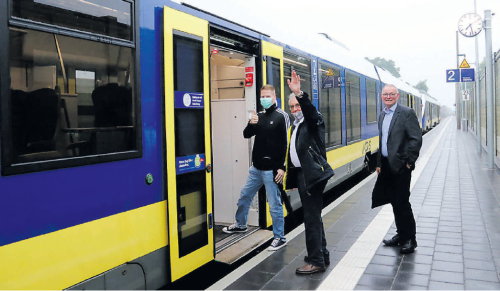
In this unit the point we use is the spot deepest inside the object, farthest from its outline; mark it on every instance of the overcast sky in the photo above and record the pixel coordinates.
(419, 35)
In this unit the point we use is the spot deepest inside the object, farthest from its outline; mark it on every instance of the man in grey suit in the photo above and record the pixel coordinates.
(400, 141)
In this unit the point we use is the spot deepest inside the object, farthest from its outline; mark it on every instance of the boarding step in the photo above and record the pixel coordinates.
(236, 246)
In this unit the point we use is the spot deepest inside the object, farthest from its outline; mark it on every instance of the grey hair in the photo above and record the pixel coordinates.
(392, 86)
(291, 96)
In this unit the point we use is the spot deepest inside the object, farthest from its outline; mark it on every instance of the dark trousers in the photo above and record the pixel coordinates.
(312, 204)
(399, 187)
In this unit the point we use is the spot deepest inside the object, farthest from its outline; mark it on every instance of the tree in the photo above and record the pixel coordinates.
(388, 65)
(422, 86)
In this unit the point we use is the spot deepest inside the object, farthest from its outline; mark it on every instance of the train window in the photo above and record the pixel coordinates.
(106, 17)
(276, 77)
(371, 101)
(70, 97)
(303, 68)
(330, 104)
(190, 144)
(353, 107)
(403, 98)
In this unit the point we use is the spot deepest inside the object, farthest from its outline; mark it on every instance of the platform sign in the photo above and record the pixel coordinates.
(452, 75)
(466, 75)
(464, 64)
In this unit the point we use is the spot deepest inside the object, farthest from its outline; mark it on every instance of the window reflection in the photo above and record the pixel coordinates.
(353, 107)
(106, 17)
(371, 100)
(303, 68)
(330, 105)
(69, 97)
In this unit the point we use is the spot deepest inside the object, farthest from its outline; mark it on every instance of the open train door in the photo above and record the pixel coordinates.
(188, 149)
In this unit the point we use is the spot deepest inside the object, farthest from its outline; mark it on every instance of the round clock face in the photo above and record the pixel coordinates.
(470, 24)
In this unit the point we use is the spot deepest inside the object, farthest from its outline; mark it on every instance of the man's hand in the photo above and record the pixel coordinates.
(294, 83)
(279, 176)
(378, 169)
(254, 118)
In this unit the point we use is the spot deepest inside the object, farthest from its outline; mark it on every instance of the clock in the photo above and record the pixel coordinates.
(470, 24)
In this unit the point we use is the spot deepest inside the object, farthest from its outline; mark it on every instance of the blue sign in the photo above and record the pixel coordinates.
(453, 75)
(185, 99)
(466, 75)
(190, 163)
(331, 82)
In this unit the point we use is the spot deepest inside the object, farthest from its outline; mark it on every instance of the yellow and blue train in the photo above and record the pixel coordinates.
(121, 146)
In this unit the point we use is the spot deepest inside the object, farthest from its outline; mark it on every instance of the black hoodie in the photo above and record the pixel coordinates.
(269, 149)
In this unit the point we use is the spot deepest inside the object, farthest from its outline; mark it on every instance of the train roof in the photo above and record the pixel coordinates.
(316, 45)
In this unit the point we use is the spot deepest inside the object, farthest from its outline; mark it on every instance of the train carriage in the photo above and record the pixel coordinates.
(121, 149)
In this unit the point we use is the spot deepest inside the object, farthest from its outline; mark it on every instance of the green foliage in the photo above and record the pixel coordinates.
(388, 65)
(422, 86)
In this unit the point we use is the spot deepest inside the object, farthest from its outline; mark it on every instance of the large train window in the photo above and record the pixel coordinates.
(302, 66)
(371, 101)
(330, 103)
(353, 107)
(107, 17)
(70, 97)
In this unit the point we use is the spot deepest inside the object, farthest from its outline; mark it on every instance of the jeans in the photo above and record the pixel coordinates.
(312, 204)
(257, 178)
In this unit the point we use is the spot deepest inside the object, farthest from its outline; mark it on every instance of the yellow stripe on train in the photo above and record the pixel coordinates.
(66, 257)
(346, 154)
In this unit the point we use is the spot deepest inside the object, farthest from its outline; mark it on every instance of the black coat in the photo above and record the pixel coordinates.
(310, 146)
(403, 147)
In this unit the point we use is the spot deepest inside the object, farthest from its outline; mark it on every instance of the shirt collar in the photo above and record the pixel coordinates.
(297, 122)
(391, 109)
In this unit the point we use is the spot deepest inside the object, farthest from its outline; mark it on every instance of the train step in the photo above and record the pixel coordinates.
(236, 246)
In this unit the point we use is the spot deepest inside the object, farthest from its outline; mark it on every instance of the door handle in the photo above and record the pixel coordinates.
(208, 168)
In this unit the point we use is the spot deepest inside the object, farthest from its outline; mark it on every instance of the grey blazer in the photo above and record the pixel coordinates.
(404, 141)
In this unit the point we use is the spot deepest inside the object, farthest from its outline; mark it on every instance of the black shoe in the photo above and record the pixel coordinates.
(309, 269)
(234, 228)
(408, 246)
(327, 260)
(393, 242)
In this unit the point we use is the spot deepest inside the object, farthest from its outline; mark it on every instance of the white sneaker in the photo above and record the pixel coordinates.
(234, 228)
(277, 244)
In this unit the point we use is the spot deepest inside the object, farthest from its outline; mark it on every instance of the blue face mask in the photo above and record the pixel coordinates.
(266, 102)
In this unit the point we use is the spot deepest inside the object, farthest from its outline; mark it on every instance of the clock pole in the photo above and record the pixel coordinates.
(489, 90)
(458, 99)
(477, 93)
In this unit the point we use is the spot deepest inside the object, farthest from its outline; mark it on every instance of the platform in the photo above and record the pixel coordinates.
(456, 202)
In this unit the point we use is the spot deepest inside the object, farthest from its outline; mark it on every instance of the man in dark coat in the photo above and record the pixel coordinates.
(400, 139)
(308, 170)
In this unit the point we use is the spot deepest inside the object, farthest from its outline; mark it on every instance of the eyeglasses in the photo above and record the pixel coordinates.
(294, 106)
(389, 94)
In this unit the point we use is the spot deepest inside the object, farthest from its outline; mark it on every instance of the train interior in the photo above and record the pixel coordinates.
(70, 97)
(233, 97)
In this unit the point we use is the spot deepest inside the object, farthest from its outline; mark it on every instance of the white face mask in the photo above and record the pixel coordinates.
(298, 115)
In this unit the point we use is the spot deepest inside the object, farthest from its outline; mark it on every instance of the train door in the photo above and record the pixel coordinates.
(233, 95)
(273, 73)
(188, 148)
(272, 70)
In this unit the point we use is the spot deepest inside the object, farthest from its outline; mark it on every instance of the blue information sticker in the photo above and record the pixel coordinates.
(190, 163)
(185, 99)
(466, 75)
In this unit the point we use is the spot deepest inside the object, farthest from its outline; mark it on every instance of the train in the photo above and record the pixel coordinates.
(122, 154)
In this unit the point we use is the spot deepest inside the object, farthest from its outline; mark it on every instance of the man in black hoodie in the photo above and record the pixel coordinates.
(268, 165)
(308, 170)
